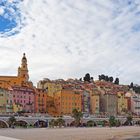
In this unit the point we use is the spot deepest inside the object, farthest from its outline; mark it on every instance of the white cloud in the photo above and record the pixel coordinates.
(1, 11)
(68, 38)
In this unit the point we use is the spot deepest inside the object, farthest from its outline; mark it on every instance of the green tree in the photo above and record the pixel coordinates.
(129, 120)
(111, 79)
(90, 123)
(60, 122)
(131, 85)
(87, 77)
(77, 115)
(116, 81)
(101, 77)
(112, 121)
(118, 123)
(106, 78)
(12, 121)
(52, 123)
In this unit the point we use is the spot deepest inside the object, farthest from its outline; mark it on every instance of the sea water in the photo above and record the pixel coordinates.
(134, 138)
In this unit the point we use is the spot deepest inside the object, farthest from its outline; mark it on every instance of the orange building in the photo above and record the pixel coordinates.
(40, 101)
(66, 100)
(94, 103)
(22, 78)
(51, 108)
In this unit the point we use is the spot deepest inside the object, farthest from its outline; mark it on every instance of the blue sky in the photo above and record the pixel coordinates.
(68, 38)
(10, 17)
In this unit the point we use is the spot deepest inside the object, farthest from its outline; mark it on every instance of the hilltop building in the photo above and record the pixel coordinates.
(6, 101)
(66, 100)
(22, 78)
(24, 98)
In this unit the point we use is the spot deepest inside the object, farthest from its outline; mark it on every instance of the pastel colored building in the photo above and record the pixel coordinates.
(122, 103)
(66, 100)
(6, 102)
(50, 105)
(9, 105)
(85, 102)
(108, 104)
(17, 107)
(135, 104)
(128, 97)
(40, 101)
(94, 103)
(3, 101)
(52, 87)
(24, 97)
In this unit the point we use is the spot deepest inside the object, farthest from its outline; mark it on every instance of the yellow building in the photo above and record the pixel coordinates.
(122, 103)
(66, 100)
(3, 101)
(17, 108)
(52, 87)
(22, 78)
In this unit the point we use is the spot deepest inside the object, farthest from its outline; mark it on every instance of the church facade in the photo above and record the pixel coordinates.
(22, 78)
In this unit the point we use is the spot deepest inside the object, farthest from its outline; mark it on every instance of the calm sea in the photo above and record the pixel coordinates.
(134, 138)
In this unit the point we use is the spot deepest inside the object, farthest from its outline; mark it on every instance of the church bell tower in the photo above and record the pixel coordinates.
(23, 70)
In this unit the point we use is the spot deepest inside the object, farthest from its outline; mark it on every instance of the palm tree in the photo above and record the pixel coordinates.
(77, 115)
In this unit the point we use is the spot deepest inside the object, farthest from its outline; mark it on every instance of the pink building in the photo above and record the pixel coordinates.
(24, 97)
(135, 104)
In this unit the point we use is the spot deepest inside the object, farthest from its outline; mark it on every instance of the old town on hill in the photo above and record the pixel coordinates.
(59, 97)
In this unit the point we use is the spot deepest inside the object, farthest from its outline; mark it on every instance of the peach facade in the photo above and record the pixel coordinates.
(40, 101)
(94, 103)
(67, 100)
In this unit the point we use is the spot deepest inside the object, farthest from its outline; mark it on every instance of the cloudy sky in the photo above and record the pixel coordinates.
(68, 38)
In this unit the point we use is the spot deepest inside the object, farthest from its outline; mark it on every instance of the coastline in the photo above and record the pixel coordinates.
(95, 133)
(125, 137)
